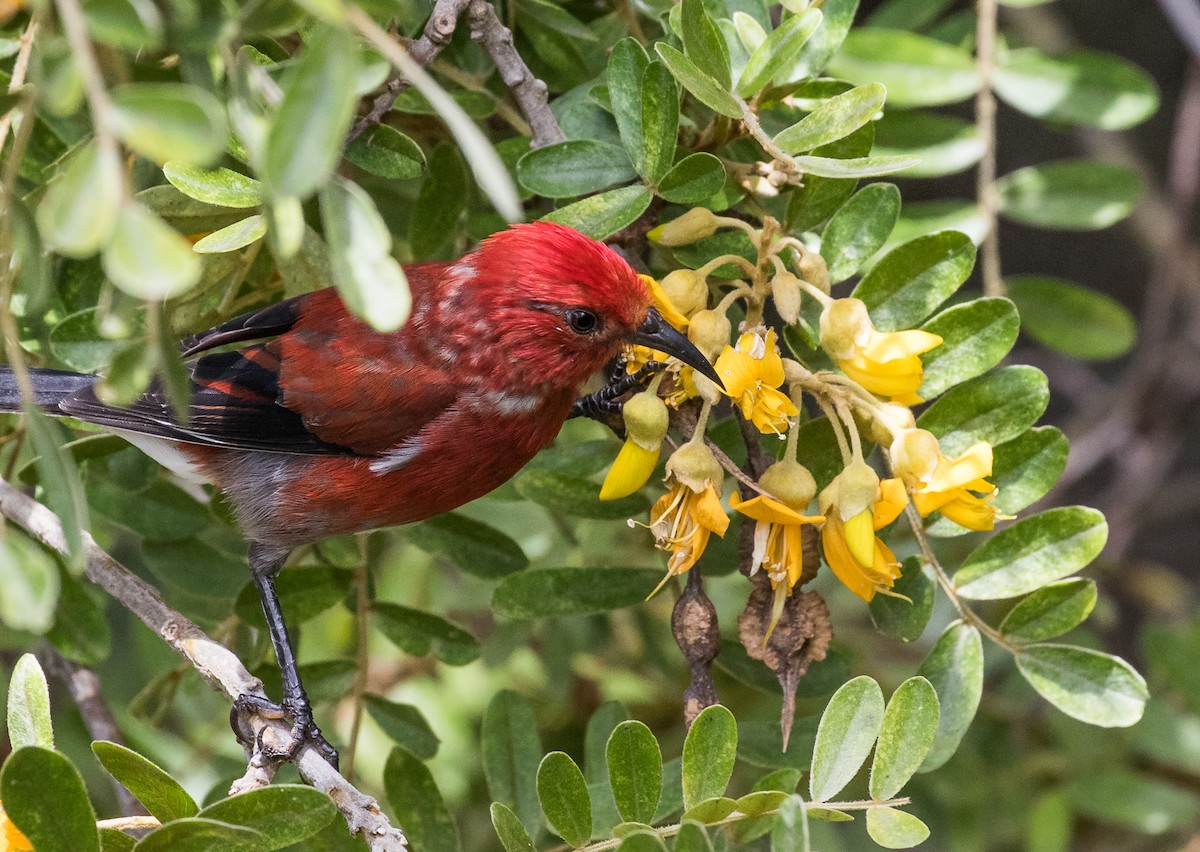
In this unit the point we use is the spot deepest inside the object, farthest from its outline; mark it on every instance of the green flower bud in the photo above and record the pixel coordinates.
(646, 420)
(814, 271)
(844, 325)
(785, 290)
(696, 224)
(686, 289)
(695, 466)
(791, 482)
(710, 331)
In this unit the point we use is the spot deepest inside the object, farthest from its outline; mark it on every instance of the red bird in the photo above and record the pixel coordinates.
(330, 427)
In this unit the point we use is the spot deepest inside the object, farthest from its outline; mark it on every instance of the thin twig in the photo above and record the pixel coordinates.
(216, 664)
(985, 126)
(20, 68)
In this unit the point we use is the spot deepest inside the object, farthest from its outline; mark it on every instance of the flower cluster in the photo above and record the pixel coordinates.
(878, 376)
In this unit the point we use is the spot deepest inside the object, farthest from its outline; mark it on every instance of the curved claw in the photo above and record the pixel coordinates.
(304, 730)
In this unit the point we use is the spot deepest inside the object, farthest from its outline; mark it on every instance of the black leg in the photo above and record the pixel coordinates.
(604, 403)
(265, 564)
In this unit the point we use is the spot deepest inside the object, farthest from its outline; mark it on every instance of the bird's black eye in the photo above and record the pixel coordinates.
(581, 321)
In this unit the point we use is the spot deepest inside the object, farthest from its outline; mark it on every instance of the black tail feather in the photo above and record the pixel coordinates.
(49, 386)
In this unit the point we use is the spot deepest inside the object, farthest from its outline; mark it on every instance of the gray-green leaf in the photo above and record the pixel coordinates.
(955, 669)
(849, 726)
(917, 70)
(893, 828)
(79, 213)
(707, 90)
(995, 407)
(634, 771)
(564, 797)
(233, 237)
(601, 216)
(693, 179)
(976, 335)
(910, 724)
(708, 755)
(911, 280)
(513, 836)
(778, 51)
(44, 795)
(29, 705)
(511, 752)
(162, 795)
(147, 258)
(1050, 611)
(544, 592)
(1072, 318)
(284, 814)
(169, 121)
(418, 804)
(1073, 195)
(420, 633)
(1096, 688)
(859, 228)
(574, 167)
(833, 119)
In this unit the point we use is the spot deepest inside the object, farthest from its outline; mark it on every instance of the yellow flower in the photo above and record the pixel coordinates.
(942, 484)
(646, 423)
(683, 519)
(751, 374)
(11, 837)
(883, 362)
(857, 556)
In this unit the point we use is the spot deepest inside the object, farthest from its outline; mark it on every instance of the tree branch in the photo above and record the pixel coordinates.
(216, 663)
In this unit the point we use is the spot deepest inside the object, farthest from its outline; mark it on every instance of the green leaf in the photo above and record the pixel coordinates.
(29, 584)
(995, 407)
(642, 841)
(917, 70)
(912, 15)
(200, 834)
(660, 123)
(162, 795)
(1033, 552)
(692, 838)
(284, 814)
(147, 258)
(45, 797)
(706, 89)
(388, 153)
(59, 478)
(564, 798)
(29, 706)
(780, 50)
(511, 752)
(1072, 195)
(575, 167)
(635, 771)
(859, 228)
(849, 726)
(790, 833)
(761, 743)
(1144, 803)
(1050, 611)
(222, 187)
(858, 167)
(892, 828)
(78, 343)
(833, 119)
(711, 810)
(81, 632)
(303, 593)
(472, 545)
(817, 198)
(626, 65)
(976, 336)
(945, 145)
(233, 237)
(905, 619)
(955, 668)
(169, 121)
(112, 840)
(1082, 87)
(370, 281)
(544, 592)
(440, 203)
(910, 724)
(911, 280)
(1096, 688)
(78, 215)
(421, 633)
(708, 755)
(575, 496)
(693, 179)
(601, 216)
(1026, 467)
(1071, 318)
(600, 726)
(305, 140)
(418, 804)
(405, 725)
(761, 801)
(703, 43)
(513, 836)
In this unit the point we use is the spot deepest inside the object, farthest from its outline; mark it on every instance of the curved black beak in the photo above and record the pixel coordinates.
(659, 334)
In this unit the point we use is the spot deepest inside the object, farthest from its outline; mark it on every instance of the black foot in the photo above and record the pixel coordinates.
(606, 403)
(304, 729)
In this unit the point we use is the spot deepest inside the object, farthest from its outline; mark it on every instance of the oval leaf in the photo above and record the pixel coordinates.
(574, 167)
(833, 119)
(660, 123)
(996, 407)
(513, 836)
(162, 795)
(387, 152)
(848, 729)
(1073, 195)
(634, 771)
(892, 828)
(284, 814)
(146, 258)
(472, 545)
(545, 592)
(910, 724)
(418, 804)
(1096, 688)
(233, 237)
(1026, 467)
(1033, 552)
(511, 751)
(44, 796)
(79, 213)
(1050, 611)
(976, 336)
(859, 229)
(708, 755)
(917, 70)
(420, 633)
(778, 51)
(198, 834)
(572, 495)
(601, 216)
(405, 725)
(706, 90)
(29, 705)
(693, 179)
(169, 121)
(1071, 318)
(911, 280)
(955, 669)
(856, 167)
(222, 187)
(945, 145)
(564, 797)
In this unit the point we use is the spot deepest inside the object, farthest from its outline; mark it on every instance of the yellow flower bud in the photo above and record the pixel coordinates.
(860, 537)
(814, 271)
(686, 289)
(889, 418)
(915, 455)
(710, 331)
(853, 490)
(695, 466)
(790, 482)
(696, 224)
(646, 420)
(845, 327)
(785, 290)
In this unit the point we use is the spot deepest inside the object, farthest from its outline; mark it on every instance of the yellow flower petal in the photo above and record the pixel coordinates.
(763, 508)
(844, 566)
(964, 471)
(859, 531)
(629, 472)
(710, 513)
(888, 345)
(892, 500)
(661, 301)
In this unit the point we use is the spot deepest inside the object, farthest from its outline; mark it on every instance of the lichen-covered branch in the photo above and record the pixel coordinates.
(216, 664)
